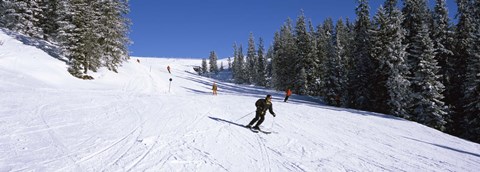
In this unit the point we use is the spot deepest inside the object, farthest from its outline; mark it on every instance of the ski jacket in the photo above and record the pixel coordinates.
(263, 105)
(288, 92)
(214, 87)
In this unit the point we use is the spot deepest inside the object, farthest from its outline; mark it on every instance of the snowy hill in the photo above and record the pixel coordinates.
(130, 121)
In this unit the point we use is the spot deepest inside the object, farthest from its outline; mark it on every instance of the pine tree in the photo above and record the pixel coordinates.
(269, 67)
(471, 95)
(463, 40)
(303, 55)
(213, 62)
(229, 61)
(427, 104)
(336, 70)
(47, 21)
(360, 85)
(261, 65)
(113, 29)
(325, 52)
(4, 6)
(428, 100)
(320, 56)
(284, 50)
(23, 16)
(276, 61)
(251, 60)
(313, 61)
(241, 76)
(235, 62)
(389, 51)
(442, 38)
(204, 66)
(443, 43)
(69, 36)
(84, 53)
(65, 29)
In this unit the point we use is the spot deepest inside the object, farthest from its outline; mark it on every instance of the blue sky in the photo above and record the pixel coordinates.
(181, 28)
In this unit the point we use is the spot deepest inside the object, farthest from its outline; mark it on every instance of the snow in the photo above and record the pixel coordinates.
(130, 121)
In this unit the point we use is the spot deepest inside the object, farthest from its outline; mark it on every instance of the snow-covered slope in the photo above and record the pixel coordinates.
(130, 121)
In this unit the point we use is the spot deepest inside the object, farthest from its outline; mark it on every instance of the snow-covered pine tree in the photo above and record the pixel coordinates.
(221, 66)
(5, 9)
(361, 82)
(284, 52)
(336, 69)
(313, 62)
(269, 67)
(84, 53)
(428, 104)
(427, 99)
(301, 79)
(229, 61)
(276, 62)
(241, 76)
(64, 33)
(463, 41)
(68, 35)
(204, 66)
(251, 60)
(302, 56)
(23, 16)
(471, 96)
(389, 51)
(320, 56)
(235, 62)
(379, 38)
(213, 62)
(442, 38)
(261, 64)
(48, 21)
(326, 50)
(113, 29)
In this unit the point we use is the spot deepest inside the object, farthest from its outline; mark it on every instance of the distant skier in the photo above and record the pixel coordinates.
(262, 106)
(288, 93)
(214, 88)
(168, 68)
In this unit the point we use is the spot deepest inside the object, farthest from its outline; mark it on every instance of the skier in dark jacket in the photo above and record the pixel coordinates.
(262, 106)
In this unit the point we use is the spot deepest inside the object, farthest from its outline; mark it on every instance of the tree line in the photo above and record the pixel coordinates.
(90, 33)
(410, 61)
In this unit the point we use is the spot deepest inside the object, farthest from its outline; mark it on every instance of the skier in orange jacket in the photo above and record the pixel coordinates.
(288, 93)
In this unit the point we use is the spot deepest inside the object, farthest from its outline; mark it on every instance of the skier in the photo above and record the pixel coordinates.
(262, 106)
(288, 93)
(214, 88)
(168, 68)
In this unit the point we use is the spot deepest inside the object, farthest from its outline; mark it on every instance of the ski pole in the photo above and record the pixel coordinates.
(272, 123)
(244, 116)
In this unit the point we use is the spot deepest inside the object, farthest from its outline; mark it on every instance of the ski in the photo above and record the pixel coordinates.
(265, 132)
(257, 131)
(251, 129)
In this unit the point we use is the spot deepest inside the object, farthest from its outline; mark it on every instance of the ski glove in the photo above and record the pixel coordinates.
(273, 115)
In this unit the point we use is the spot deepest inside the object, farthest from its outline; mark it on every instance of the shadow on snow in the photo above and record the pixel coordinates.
(43, 45)
(446, 147)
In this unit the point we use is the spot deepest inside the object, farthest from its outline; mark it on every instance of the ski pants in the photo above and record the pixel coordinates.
(259, 116)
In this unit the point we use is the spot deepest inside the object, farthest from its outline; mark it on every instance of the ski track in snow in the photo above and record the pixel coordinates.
(130, 121)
